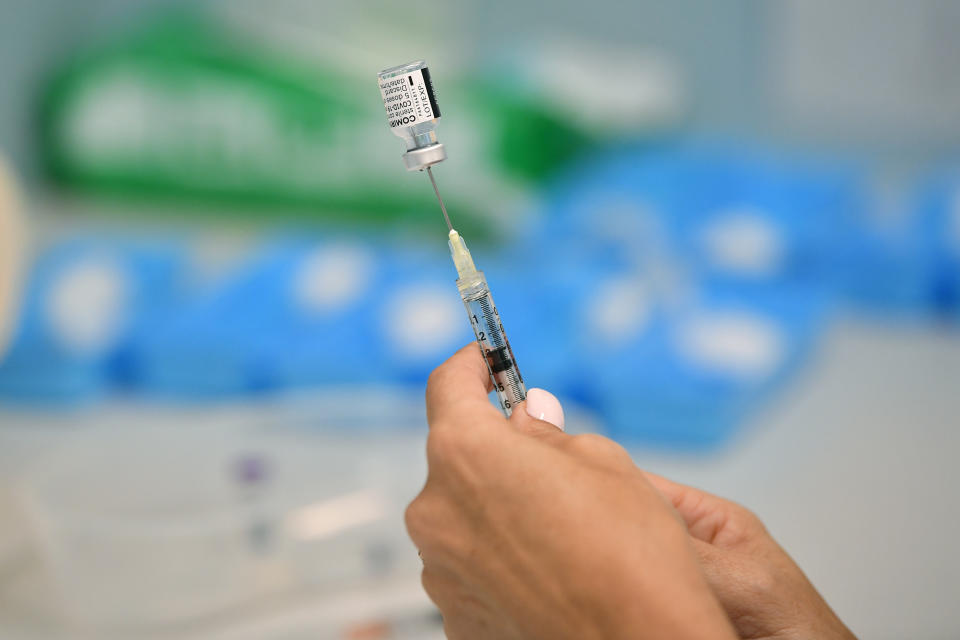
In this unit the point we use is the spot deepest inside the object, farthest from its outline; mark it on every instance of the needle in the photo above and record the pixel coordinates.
(437, 191)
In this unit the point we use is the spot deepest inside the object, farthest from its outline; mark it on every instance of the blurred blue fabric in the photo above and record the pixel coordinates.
(84, 299)
(669, 289)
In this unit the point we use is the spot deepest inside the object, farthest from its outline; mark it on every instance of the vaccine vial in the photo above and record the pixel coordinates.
(412, 112)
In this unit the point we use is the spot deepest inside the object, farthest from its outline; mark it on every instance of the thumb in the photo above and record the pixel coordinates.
(540, 414)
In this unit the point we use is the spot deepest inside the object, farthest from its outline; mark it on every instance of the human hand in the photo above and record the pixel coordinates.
(527, 532)
(763, 591)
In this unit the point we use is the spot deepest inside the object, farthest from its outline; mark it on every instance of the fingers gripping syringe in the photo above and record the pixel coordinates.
(412, 112)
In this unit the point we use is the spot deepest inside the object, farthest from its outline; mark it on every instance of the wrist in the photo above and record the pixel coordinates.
(676, 609)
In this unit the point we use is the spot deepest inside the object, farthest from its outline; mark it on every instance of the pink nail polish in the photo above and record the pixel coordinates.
(543, 405)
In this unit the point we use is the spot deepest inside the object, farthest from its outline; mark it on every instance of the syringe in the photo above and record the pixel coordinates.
(412, 112)
(485, 319)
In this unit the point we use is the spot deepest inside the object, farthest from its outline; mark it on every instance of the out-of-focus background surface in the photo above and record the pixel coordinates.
(727, 235)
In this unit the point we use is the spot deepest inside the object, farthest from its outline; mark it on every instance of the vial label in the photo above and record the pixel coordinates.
(409, 99)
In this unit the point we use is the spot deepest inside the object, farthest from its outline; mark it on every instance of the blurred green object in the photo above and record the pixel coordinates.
(532, 142)
(184, 110)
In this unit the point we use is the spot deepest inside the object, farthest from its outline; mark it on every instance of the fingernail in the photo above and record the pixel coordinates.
(543, 405)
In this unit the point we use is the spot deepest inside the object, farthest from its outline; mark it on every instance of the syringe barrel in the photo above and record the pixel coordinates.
(488, 329)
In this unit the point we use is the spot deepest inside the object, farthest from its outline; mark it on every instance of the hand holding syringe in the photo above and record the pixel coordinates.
(412, 112)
